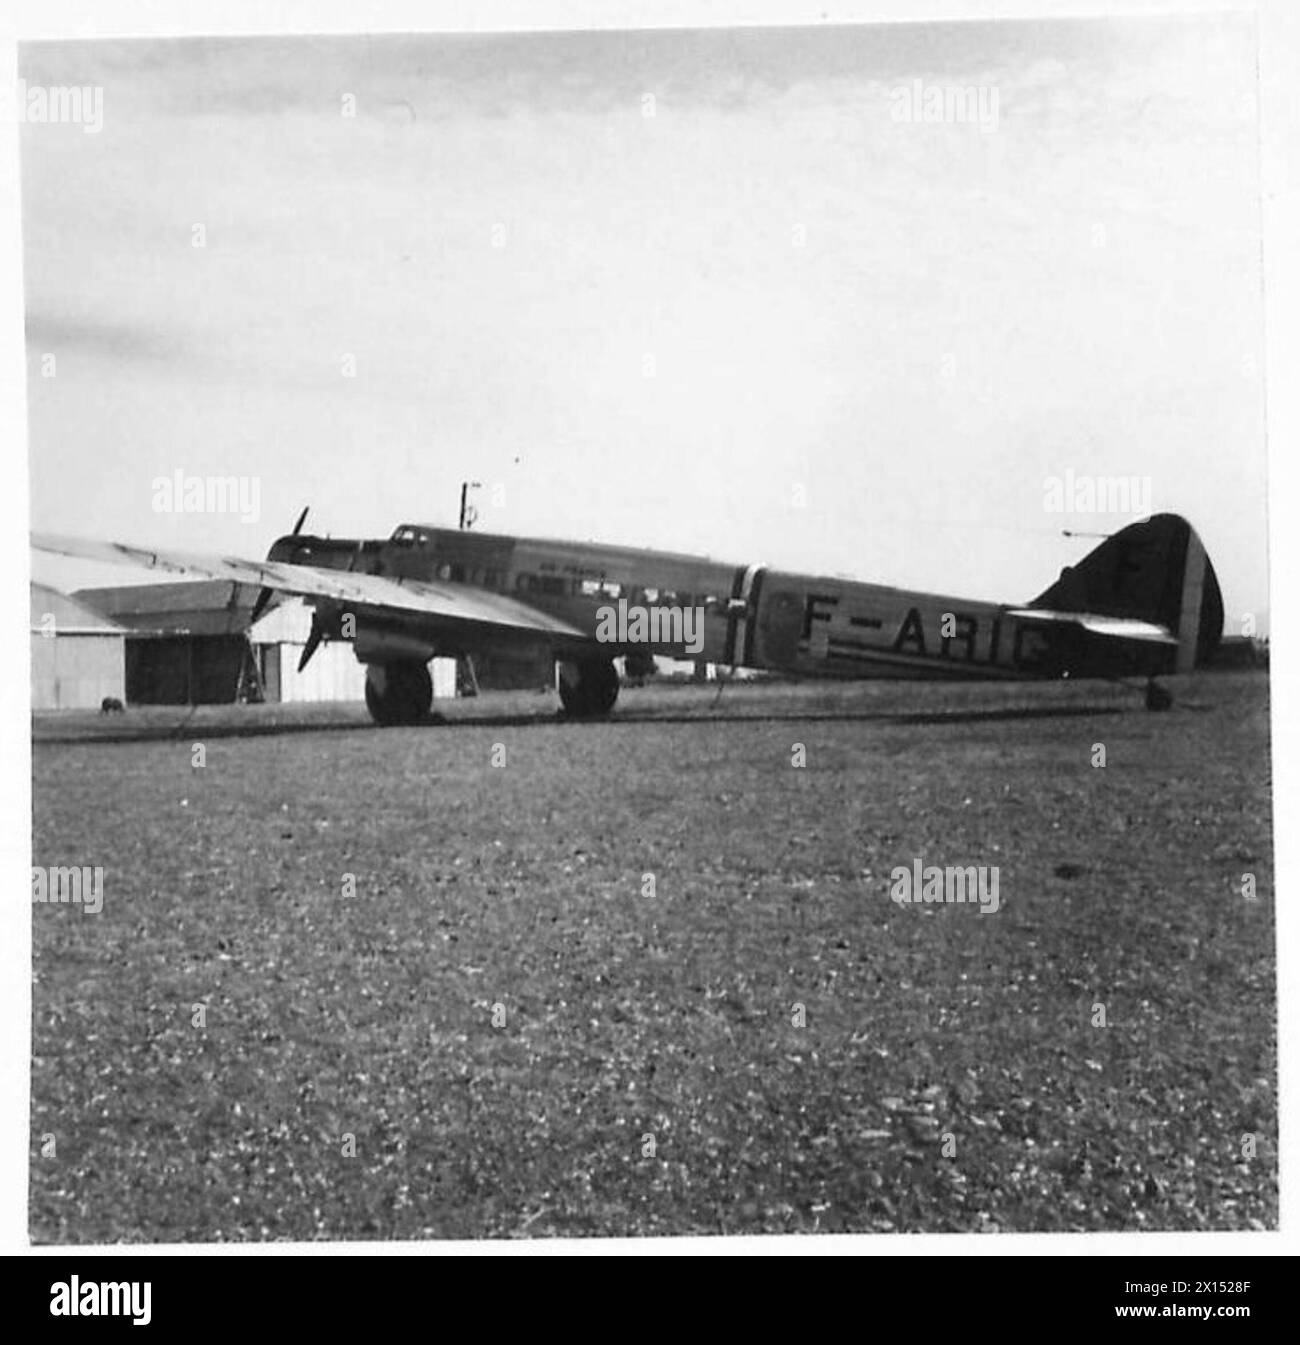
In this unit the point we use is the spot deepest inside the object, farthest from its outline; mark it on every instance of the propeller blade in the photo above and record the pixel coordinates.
(313, 643)
(260, 605)
(264, 596)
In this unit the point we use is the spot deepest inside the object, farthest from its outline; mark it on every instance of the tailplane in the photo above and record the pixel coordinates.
(1154, 575)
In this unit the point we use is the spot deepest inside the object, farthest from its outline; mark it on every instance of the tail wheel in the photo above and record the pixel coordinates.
(399, 693)
(588, 689)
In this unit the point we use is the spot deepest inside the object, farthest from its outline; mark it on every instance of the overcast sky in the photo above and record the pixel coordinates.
(659, 329)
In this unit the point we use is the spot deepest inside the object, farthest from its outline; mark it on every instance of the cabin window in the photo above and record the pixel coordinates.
(553, 585)
(600, 588)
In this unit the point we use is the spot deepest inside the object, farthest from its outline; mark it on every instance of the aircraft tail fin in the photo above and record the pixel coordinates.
(1155, 571)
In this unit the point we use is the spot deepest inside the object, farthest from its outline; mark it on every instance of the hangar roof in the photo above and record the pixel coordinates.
(71, 617)
(208, 607)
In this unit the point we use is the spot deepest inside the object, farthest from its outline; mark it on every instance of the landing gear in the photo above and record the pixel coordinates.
(588, 690)
(399, 693)
(1157, 697)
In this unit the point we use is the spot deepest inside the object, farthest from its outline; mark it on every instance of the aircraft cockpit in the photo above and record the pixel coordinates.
(406, 535)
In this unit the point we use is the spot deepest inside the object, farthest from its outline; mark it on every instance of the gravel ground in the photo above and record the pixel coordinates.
(362, 983)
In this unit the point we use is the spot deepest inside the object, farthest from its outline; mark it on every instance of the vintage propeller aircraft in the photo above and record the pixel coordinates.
(1144, 603)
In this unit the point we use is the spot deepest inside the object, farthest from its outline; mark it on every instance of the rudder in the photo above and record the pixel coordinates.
(1156, 570)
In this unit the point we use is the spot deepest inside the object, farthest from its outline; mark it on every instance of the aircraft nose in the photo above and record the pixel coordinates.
(283, 549)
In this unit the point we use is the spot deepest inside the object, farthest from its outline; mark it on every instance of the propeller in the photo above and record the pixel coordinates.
(316, 635)
(265, 595)
(317, 632)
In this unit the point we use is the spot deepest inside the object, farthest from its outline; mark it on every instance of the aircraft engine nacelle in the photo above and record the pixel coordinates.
(383, 644)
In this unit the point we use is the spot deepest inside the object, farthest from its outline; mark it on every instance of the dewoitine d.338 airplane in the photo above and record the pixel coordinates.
(1144, 603)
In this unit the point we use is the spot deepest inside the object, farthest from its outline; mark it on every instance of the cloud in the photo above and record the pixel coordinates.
(115, 340)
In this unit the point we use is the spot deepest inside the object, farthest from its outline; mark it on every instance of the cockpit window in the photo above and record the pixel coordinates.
(408, 536)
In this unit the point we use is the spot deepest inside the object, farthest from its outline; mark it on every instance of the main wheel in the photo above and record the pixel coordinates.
(588, 689)
(399, 693)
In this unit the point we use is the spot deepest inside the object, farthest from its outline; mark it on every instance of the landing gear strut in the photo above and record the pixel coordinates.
(588, 689)
(399, 693)
(1157, 697)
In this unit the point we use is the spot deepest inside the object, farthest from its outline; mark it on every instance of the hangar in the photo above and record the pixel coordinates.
(78, 654)
(187, 642)
(193, 643)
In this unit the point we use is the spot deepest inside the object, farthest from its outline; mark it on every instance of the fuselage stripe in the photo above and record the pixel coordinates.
(754, 579)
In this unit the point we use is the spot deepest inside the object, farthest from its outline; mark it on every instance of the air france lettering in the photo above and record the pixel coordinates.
(92, 1299)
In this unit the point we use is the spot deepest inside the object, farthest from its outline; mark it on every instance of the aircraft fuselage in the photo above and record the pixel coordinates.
(744, 615)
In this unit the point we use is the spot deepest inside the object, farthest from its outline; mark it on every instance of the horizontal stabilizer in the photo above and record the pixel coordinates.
(1115, 627)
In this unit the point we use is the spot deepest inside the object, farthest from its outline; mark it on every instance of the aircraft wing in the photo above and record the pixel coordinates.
(1116, 627)
(444, 605)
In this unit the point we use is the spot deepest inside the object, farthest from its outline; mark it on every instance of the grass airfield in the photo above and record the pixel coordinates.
(494, 1030)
